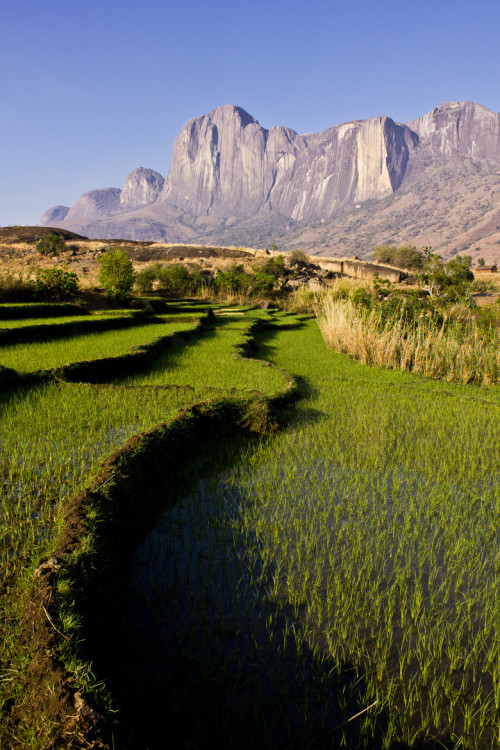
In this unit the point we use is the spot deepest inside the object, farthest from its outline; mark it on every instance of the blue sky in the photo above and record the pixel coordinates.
(91, 90)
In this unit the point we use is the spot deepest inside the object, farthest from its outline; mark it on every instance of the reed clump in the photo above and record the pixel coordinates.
(452, 346)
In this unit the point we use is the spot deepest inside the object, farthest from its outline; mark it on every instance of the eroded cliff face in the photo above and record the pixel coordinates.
(226, 167)
(460, 129)
(225, 164)
(142, 186)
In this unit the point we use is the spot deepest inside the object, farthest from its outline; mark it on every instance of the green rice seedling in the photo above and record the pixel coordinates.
(50, 354)
(214, 361)
(364, 538)
(376, 511)
(61, 319)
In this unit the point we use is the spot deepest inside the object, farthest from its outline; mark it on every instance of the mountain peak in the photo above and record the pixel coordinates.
(142, 186)
(229, 111)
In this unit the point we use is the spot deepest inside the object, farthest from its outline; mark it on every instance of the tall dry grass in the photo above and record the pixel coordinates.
(452, 352)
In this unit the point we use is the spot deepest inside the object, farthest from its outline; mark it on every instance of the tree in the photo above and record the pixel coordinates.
(405, 256)
(298, 256)
(117, 273)
(55, 284)
(51, 244)
(450, 278)
(480, 261)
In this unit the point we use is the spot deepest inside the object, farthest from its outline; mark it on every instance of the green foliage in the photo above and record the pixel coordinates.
(233, 281)
(117, 273)
(480, 261)
(178, 281)
(381, 287)
(51, 244)
(55, 284)
(405, 256)
(145, 279)
(298, 256)
(451, 280)
(174, 281)
(361, 297)
(263, 285)
(274, 267)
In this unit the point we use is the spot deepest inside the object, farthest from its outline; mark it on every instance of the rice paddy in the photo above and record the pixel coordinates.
(367, 534)
(214, 361)
(60, 319)
(47, 355)
(344, 568)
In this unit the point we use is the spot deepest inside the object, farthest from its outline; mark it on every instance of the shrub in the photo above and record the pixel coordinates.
(55, 284)
(298, 256)
(234, 280)
(262, 285)
(51, 244)
(405, 256)
(145, 279)
(176, 280)
(360, 297)
(274, 267)
(117, 273)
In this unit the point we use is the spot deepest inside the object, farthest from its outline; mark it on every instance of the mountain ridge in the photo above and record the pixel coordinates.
(228, 171)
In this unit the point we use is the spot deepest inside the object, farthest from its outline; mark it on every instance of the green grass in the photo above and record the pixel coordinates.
(373, 522)
(53, 438)
(27, 322)
(213, 361)
(50, 354)
(353, 558)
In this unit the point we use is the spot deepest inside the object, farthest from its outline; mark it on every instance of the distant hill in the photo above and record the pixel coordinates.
(433, 181)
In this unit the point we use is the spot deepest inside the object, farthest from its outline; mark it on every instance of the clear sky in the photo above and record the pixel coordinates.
(91, 89)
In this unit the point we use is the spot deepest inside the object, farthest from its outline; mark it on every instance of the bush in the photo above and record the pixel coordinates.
(298, 256)
(51, 244)
(55, 284)
(360, 297)
(145, 279)
(117, 273)
(274, 267)
(262, 285)
(233, 281)
(405, 256)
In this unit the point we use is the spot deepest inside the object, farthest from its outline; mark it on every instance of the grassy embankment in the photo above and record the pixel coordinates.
(54, 437)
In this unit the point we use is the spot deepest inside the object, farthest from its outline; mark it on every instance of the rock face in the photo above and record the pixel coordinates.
(95, 203)
(460, 129)
(225, 164)
(226, 169)
(142, 186)
(53, 216)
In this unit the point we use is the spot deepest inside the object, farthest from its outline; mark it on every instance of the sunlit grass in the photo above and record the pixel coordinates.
(453, 352)
(57, 352)
(366, 533)
(213, 361)
(61, 319)
(374, 516)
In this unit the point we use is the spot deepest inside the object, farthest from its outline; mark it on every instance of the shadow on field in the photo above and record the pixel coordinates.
(187, 619)
(198, 651)
(168, 358)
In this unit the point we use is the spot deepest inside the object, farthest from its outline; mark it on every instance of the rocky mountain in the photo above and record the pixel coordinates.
(232, 180)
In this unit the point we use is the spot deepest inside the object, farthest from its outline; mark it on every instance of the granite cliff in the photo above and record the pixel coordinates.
(229, 174)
